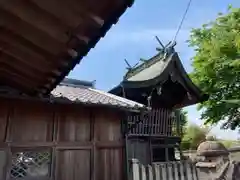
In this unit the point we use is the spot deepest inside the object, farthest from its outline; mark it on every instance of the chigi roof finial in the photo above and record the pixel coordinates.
(167, 49)
(129, 67)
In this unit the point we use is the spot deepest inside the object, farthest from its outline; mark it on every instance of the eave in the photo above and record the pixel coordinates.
(42, 41)
(173, 69)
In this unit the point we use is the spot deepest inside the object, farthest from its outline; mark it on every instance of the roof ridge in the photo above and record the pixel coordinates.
(77, 82)
(72, 86)
(123, 100)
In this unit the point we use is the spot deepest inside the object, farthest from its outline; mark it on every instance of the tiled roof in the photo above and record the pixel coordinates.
(89, 95)
(78, 92)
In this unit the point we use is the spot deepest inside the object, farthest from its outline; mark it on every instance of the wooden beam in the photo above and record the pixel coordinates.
(30, 33)
(16, 41)
(32, 14)
(102, 10)
(73, 15)
(70, 17)
(36, 69)
(18, 67)
(60, 10)
(77, 42)
(89, 145)
(82, 38)
(27, 50)
(73, 53)
(77, 20)
(73, 145)
(31, 145)
(23, 74)
(31, 71)
(110, 144)
(23, 58)
(14, 76)
(16, 84)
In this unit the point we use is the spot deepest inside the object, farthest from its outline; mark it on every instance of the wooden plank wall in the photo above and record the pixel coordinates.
(84, 142)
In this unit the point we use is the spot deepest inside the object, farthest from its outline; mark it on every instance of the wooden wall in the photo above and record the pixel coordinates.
(84, 143)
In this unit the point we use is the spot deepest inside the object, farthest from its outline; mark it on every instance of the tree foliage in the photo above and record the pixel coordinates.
(228, 143)
(193, 136)
(216, 68)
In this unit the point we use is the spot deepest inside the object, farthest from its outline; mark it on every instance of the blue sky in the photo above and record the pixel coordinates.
(133, 38)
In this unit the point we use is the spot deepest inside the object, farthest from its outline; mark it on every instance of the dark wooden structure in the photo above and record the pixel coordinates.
(41, 41)
(50, 131)
(75, 133)
(162, 84)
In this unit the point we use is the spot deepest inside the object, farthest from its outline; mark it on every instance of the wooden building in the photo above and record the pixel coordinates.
(74, 133)
(41, 41)
(162, 84)
(49, 130)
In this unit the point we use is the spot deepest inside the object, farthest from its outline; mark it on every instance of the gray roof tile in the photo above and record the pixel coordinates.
(89, 95)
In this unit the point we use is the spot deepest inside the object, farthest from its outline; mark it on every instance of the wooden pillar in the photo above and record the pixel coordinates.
(93, 157)
(55, 120)
(150, 150)
(166, 154)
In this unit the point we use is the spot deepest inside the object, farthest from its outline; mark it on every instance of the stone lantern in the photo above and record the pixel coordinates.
(214, 161)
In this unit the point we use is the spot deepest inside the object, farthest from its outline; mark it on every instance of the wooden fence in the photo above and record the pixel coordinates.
(178, 170)
(159, 122)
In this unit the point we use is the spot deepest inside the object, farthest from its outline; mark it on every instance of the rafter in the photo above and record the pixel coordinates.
(32, 14)
(40, 39)
(24, 57)
(14, 76)
(19, 41)
(69, 17)
(101, 10)
(20, 72)
(30, 33)
(27, 50)
(75, 17)
(20, 66)
(13, 83)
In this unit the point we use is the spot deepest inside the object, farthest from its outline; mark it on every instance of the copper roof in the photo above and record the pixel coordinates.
(41, 41)
(157, 70)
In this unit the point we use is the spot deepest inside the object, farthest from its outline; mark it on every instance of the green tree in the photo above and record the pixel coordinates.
(234, 102)
(194, 135)
(216, 68)
(228, 143)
